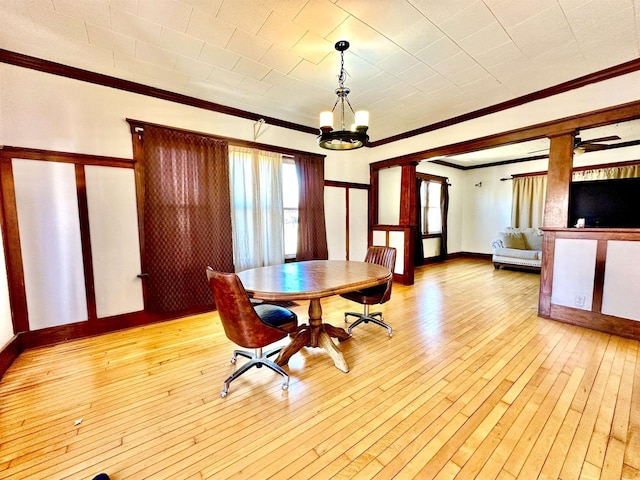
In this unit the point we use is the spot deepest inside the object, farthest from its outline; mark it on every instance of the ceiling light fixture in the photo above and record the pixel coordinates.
(343, 139)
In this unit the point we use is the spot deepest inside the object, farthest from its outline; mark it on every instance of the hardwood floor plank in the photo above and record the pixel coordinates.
(471, 385)
(632, 453)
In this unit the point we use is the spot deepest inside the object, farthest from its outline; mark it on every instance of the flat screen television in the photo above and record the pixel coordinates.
(605, 203)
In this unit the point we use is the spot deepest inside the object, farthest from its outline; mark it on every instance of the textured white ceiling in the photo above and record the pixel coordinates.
(411, 62)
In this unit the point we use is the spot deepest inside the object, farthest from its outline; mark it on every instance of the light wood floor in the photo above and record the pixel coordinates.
(471, 385)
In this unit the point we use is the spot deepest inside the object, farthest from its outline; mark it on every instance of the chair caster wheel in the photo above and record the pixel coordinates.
(233, 360)
(223, 394)
(285, 386)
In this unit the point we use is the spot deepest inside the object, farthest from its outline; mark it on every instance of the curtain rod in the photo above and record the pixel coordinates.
(137, 127)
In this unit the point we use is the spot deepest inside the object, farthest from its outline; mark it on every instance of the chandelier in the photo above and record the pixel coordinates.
(343, 139)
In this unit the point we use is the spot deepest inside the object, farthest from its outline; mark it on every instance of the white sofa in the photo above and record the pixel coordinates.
(518, 248)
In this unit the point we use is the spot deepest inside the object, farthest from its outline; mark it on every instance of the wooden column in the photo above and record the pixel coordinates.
(556, 208)
(556, 211)
(374, 180)
(408, 197)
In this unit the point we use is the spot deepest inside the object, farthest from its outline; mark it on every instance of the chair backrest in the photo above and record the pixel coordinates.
(241, 323)
(385, 256)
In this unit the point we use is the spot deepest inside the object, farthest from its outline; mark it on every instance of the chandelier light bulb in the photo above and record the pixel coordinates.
(362, 118)
(326, 120)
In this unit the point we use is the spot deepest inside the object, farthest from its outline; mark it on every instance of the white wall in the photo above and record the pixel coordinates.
(47, 206)
(487, 209)
(115, 247)
(44, 111)
(621, 291)
(48, 112)
(389, 186)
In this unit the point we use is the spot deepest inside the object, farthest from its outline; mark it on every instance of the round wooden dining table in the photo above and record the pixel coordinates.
(313, 280)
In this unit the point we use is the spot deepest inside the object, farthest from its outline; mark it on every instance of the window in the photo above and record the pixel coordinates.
(430, 192)
(290, 207)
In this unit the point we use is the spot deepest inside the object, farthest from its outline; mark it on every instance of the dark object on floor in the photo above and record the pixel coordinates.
(101, 476)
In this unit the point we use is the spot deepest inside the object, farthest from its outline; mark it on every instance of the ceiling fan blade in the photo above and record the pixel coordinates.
(592, 147)
(601, 139)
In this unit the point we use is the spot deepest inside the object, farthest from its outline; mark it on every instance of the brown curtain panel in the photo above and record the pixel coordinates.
(312, 231)
(419, 248)
(444, 211)
(187, 217)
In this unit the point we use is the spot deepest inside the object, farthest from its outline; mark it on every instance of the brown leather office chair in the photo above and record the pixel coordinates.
(249, 326)
(385, 256)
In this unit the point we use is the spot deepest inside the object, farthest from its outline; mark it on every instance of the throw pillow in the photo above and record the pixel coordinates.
(513, 240)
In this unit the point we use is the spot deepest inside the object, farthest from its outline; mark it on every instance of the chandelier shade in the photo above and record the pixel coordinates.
(343, 138)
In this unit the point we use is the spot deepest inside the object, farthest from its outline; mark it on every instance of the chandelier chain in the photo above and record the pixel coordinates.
(343, 75)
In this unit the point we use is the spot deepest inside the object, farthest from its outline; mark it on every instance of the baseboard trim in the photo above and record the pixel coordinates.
(62, 333)
(454, 255)
(609, 324)
(9, 353)
(72, 331)
(481, 256)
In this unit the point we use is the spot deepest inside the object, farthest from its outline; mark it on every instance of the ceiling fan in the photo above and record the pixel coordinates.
(580, 146)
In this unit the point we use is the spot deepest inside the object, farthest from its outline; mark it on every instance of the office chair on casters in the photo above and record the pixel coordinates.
(249, 326)
(385, 256)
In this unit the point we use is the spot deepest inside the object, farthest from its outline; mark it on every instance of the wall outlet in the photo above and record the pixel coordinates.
(580, 301)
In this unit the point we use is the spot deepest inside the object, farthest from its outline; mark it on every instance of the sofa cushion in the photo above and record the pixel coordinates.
(532, 238)
(512, 239)
(519, 253)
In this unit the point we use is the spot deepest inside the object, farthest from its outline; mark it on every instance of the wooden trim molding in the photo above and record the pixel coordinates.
(26, 61)
(629, 163)
(593, 318)
(597, 118)
(596, 321)
(12, 248)
(9, 152)
(334, 183)
(601, 259)
(85, 238)
(9, 353)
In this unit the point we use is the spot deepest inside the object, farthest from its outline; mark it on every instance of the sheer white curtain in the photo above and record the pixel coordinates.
(256, 207)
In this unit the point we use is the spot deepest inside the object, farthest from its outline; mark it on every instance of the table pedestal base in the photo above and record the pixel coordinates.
(316, 334)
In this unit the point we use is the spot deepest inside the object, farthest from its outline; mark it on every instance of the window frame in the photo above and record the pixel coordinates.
(430, 179)
(289, 160)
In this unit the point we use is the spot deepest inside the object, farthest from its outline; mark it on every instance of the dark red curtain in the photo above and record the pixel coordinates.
(419, 248)
(312, 231)
(444, 211)
(187, 217)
